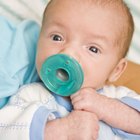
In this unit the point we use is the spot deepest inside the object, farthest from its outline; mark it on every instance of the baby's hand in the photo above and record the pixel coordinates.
(78, 125)
(83, 125)
(88, 99)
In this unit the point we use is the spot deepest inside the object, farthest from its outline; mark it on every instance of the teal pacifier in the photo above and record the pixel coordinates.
(62, 74)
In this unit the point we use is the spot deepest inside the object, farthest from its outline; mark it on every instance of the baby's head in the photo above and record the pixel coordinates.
(97, 33)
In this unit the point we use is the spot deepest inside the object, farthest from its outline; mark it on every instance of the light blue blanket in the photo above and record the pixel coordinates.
(17, 56)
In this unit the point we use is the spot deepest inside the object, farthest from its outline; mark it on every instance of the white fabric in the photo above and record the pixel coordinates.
(21, 108)
(119, 92)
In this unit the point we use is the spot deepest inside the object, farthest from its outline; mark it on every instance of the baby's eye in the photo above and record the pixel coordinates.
(94, 49)
(57, 38)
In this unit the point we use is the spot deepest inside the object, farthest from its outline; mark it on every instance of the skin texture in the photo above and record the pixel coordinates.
(89, 100)
(69, 128)
(90, 38)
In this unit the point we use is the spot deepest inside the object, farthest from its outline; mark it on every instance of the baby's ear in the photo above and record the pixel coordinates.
(118, 70)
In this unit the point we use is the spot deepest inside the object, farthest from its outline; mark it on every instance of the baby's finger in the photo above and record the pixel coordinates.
(76, 99)
(74, 95)
(78, 105)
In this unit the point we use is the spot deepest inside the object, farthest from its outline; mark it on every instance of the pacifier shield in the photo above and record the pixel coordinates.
(62, 74)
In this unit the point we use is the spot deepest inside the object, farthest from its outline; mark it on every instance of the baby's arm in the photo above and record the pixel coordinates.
(78, 125)
(112, 111)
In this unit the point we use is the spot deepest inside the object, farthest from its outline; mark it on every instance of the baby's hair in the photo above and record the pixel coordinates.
(127, 24)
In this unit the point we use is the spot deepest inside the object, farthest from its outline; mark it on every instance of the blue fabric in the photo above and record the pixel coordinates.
(3, 101)
(126, 135)
(17, 56)
(63, 102)
(131, 102)
(38, 123)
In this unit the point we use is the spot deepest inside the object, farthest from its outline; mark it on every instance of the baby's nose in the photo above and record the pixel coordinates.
(72, 53)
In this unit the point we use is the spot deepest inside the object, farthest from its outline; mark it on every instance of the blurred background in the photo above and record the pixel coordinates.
(18, 10)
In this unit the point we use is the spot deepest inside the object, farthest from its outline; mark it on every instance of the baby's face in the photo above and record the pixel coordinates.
(85, 32)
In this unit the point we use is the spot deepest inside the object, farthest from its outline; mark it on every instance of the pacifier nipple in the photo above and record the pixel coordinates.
(62, 74)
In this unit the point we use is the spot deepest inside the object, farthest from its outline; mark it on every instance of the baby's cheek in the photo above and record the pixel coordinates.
(38, 65)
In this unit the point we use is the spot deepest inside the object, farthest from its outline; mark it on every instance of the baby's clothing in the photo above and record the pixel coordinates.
(27, 112)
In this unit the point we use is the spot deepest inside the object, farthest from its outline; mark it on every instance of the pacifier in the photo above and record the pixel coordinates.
(62, 74)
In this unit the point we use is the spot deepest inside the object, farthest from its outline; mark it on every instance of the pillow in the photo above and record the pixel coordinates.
(131, 77)
(18, 10)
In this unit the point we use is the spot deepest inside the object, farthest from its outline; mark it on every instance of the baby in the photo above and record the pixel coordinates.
(97, 34)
